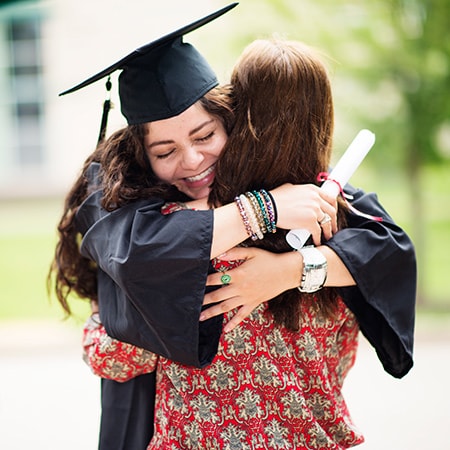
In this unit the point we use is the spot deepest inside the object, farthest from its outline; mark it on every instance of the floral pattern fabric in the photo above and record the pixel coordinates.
(112, 359)
(267, 388)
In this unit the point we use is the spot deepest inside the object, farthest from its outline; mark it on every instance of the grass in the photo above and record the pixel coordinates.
(27, 239)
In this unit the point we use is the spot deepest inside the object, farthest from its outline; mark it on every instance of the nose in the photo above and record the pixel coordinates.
(192, 158)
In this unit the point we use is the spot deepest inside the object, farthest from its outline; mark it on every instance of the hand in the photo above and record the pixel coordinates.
(94, 306)
(262, 276)
(304, 206)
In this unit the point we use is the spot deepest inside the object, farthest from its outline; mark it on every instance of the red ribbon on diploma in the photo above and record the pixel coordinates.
(324, 176)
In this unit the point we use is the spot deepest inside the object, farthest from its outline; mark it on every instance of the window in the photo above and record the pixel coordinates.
(25, 75)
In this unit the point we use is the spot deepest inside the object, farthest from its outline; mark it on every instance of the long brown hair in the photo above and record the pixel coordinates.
(126, 176)
(282, 134)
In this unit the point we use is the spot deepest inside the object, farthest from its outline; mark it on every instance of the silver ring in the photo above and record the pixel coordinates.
(326, 219)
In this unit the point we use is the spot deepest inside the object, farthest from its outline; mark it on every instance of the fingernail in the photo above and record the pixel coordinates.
(202, 317)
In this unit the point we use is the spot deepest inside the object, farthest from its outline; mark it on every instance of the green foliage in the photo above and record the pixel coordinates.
(390, 65)
(27, 241)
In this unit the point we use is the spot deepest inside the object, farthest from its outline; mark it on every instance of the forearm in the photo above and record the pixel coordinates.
(300, 206)
(228, 230)
(338, 275)
(287, 268)
(112, 359)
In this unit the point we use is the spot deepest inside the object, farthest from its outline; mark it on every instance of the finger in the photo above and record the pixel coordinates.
(218, 295)
(213, 279)
(316, 234)
(217, 310)
(237, 253)
(330, 199)
(217, 278)
(240, 315)
(327, 230)
(331, 210)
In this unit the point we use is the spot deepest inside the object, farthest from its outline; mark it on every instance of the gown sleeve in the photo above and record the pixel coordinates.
(152, 271)
(381, 258)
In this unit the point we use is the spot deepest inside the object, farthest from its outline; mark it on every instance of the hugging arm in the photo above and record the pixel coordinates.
(151, 276)
(378, 256)
(152, 268)
(112, 359)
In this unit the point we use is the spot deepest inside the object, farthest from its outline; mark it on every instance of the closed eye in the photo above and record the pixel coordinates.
(205, 138)
(164, 155)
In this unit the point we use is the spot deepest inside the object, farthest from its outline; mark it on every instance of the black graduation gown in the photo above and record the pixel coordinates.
(153, 268)
(127, 413)
(382, 260)
(152, 271)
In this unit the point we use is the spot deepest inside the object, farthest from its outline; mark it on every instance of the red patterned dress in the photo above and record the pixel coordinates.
(267, 388)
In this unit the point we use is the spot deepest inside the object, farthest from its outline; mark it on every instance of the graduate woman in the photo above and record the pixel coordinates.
(151, 269)
(276, 380)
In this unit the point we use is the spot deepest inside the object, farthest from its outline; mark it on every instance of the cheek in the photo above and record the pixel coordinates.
(221, 144)
(162, 171)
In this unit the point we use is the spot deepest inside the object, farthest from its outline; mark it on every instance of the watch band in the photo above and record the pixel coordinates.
(314, 272)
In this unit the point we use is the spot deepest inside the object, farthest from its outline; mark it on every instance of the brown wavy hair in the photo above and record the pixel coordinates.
(283, 134)
(126, 176)
(278, 113)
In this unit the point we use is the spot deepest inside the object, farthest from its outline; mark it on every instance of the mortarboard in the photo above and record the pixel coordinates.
(160, 79)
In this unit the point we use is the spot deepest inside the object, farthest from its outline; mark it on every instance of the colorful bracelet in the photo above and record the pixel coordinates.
(244, 218)
(271, 208)
(264, 211)
(252, 215)
(258, 213)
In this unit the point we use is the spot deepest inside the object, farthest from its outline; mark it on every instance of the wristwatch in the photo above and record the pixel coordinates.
(314, 271)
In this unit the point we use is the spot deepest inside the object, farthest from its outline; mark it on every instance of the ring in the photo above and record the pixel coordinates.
(225, 279)
(326, 219)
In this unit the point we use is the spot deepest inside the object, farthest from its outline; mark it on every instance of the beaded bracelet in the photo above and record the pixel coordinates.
(258, 213)
(271, 208)
(264, 211)
(244, 218)
(252, 215)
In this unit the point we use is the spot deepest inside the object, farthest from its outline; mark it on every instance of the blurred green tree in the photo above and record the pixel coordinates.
(421, 73)
(410, 61)
(392, 60)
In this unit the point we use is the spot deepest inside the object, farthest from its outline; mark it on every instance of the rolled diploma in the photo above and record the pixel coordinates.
(341, 173)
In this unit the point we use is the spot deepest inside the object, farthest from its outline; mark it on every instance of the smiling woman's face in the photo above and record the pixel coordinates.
(184, 149)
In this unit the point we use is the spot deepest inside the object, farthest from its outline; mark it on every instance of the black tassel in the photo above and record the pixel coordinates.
(106, 109)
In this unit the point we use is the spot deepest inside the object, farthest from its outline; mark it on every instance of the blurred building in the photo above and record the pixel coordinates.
(22, 104)
(47, 46)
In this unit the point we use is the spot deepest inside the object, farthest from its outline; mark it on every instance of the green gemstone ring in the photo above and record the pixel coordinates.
(225, 278)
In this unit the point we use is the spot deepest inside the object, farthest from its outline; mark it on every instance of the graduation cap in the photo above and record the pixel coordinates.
(160, 79)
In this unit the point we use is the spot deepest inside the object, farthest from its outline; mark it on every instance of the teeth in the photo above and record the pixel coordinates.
(201, 175)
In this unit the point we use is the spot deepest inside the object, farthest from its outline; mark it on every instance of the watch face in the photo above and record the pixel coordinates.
(314, 270)
(316, 277)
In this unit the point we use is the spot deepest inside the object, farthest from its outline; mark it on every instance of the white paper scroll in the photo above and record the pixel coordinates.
(341, 173)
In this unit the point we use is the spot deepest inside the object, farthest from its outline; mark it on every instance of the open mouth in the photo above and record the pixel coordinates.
(202, 175)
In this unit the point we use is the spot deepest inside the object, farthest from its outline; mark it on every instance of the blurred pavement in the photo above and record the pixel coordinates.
(49, 400)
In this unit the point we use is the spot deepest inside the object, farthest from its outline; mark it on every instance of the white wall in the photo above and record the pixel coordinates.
(80, 38)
